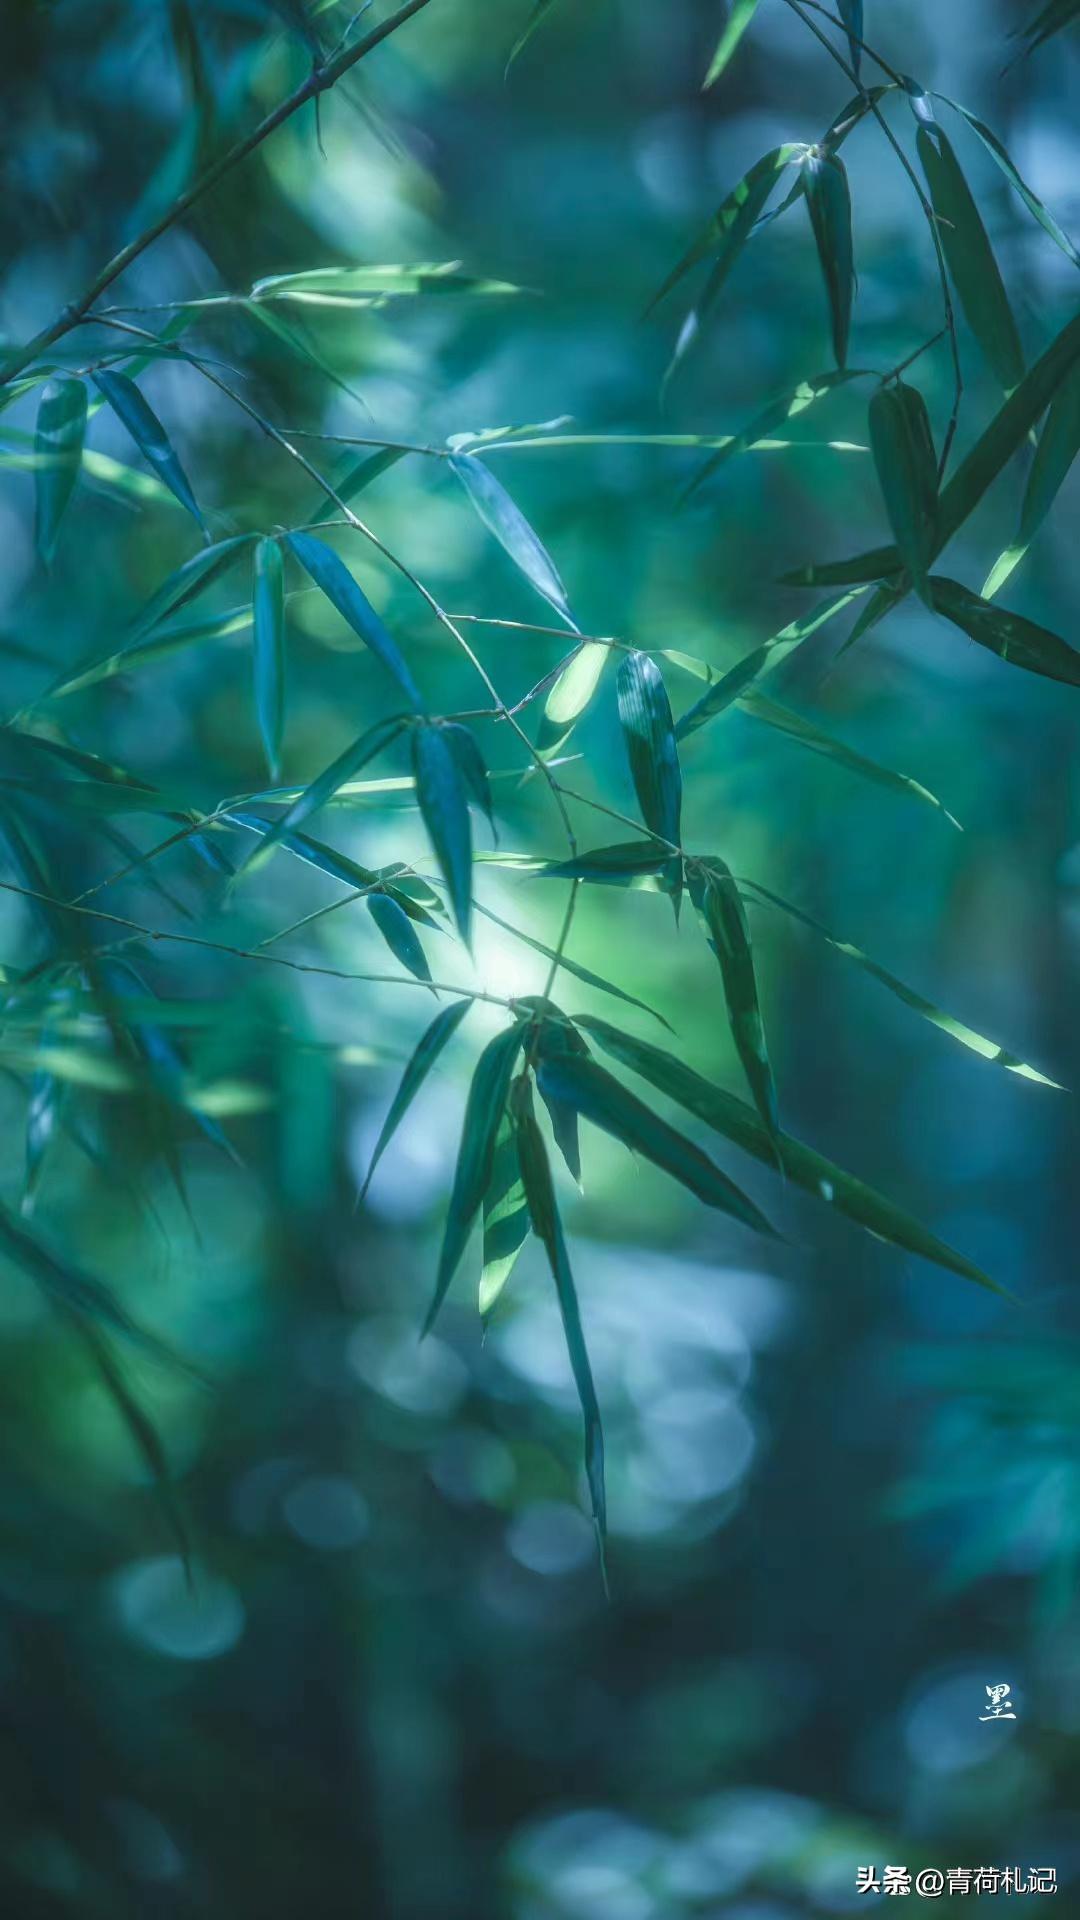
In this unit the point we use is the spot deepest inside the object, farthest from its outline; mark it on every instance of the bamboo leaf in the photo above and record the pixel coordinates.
(611, 866)
(557, 1038)
(397, 930)
(735, 684)
(601, 1099)
(807, 1168)
(144, 1434)
(966, 1036)
(70, 1287)
(785, 720)
(1059, 444)
(1031, 200)
(727, 232)
(506, 1218)
(369, 286)
(427, 1051)
(1050, 19)
(568, 965)
(1009, 635)
(571, 694)
(970, 257)
(462, 743)
(333, 578)
(903, 448)
(851, 13)
(649, 734)
(544, 1215)
(788, 407)
(739, 18)
(828, 200)
(268, 620)
(483, 1114)
(511, 529)
(321, 789)
(58, 448)
(717, 900)
(135, 413)
(441, 794)
(536, 19)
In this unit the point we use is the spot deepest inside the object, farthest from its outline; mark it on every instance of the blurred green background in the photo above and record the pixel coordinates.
(844, 1487)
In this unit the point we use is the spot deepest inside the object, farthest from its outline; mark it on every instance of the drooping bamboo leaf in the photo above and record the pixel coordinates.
(427, 1051)
(785, 720)
(604, 1101)
(556, 1038)
(1031, 200)
(484, 1110)
(1059, 444)
(268, 621)
(333, 578)
(616, 866)
(828, 200)
(903, 448)
(811, 1170)
(506, 521)
(1009, 635)
(1050, 19)
(352, 286)
(445, 809)
(506, 1218)
(397, 930)
(967, 1037)
(739, 18)
(462, 743)
(734, 684)
(135, 413)
(649, 734)
(727, 232)
(571, 694)
(569, 965)
(788, 407)
(970, 257)
(544, 1215)
(851, 13)
(718, 903)
(72, 1288)
(324, 787)
(58, 447)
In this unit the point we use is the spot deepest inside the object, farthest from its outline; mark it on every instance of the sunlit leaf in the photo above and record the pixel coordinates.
(397, 930)
(571, 694)
(445, 809)
(1009, 635)
(483, 1114)
(970, 257)
(727, 232)
(808, 1169)
(333, 578)
(135, 413)
(828, 199)
(732, 685)
(363, 286)
(268, 621)
(505, 1220)
(511, 529)
(602, 1100)
(325, 786)
(544, 1215)
(1059, 444)
(739, 17)
(428, 1049)
(58, 446)
(788, 407)
(785, 720)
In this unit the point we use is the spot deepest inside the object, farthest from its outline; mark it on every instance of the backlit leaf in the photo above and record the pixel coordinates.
(571, 694)
(788, 407)
(511, 529)
(1009, 635)
(732, 685)
(739, 17)
(397, 930)
(785, 720)
(727, 232)
(366, 286)
(484, 1111)
(505, 1218)
(1059, 444)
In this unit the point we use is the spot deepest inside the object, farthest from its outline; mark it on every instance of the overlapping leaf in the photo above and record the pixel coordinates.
(719, 905)
(970, 256)
(903, 448)
(501, 515)
(828, 200)
(333, 578)
(484, 1111)
(419, 1065)
(1059, 444)
(444, 805)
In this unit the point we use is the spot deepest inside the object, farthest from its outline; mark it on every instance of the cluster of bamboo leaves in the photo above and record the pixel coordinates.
(544, 1060)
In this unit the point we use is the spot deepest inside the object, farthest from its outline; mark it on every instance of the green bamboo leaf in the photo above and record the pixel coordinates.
(727, 232)
(734, 685)
(862, 569)
(397, 930)
(903, 448)
(808, 1169)
(42, 1116)
(544, 1215)
(462, 743)
(483, 1114)
(720, 908)
(144, 1434)
(1059, 444)
(1009, 635)
(970, 257)
(966, 1036)
(136, 414)
(785, 720)
(511, 529)
(427, 1051)
(558, 1037)
(505, 1220)
(739, 18)
(601, 1099)
(616, 866)
(1049, 20)
(368, 286)
(70, 1287)
(322, 789)
(828, 200)
(333, 578)
(536, 20)
(445, 809)
(568, 965)
(268, 620)
(571, 694)
(1031, 200)
(787, 407)
(851, 13)
(58, 447)
(649, 734)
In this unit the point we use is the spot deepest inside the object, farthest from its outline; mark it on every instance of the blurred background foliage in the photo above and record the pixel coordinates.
(842, 1484)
